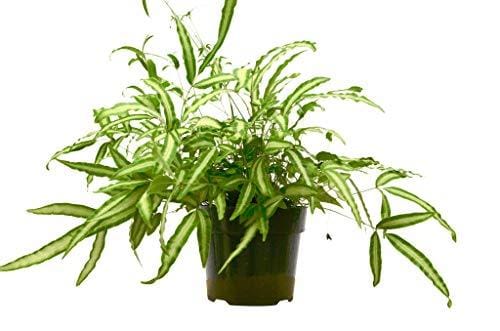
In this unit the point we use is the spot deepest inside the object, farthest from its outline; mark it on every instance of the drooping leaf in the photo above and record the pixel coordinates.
(375, 258)
(145, 208)
(137, 232)
(294, 156)
(187, 51)
(78, 146)
(95, 255)
(122, 186)
(64, 209)
(421, 261)
(90, 168)
(121, 205)
(245, 241)
(425, 205)
(199, 168)
(122, 109)
(175, 244)
(274, 146)
(220, 204)
(271, 85)
(214, 80)
(244, 200)
(225, 23)
(389, 176)
(301, 91)
(169, 149)
(204, 234)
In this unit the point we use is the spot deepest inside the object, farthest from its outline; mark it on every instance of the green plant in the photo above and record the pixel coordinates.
(222, 135)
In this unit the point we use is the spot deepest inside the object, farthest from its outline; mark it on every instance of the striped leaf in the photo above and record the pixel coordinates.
(137, 232)
(137, 167)
(199, 103)
(204, 161)
(272, 204)
(145, 208)
(175, 244)
(297, 161)
(385, 209)
(90, 168)
(95, 255)
(337, 181)
(78, 146)
(120, 160)
(214, 80)
(117, 206)
(187, 51)
(208, 122)
(166, 101)
(123, 109)
(274, 146)
(425, 205)
(233, 183)
(244, 200)
(421, 261)
(122, 186)
(64, 209)
(375, 258)
(403, 220)
(273, 81)
(220, 204)
(100, 155)
(225, 23)
(354, 97)
(108, 128)
(169, 149)
(260, 177)
(389, 176)
(204, 233)
(247, 238)
(301, 91)
(300, 191)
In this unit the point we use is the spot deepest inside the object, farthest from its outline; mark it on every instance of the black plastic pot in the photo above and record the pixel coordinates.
(264, 273)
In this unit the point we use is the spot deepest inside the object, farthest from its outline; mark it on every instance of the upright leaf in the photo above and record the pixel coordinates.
(261, 179)
(421, 261)
(145, 6)
(199, 168)
(95, 255)
(301, 91)
(166, 101)
(220, 204)
(375, 257)
(339, 182)
(225, 23)
(200, 102)
(187, 51)
(175, 244)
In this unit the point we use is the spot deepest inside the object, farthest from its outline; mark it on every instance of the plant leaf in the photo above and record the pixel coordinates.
(100, 155)
(300, 191)
(339, 182)
(204, 234)
(424, 204)
(403, 220)
(244, 200)
(90, 168)
(175, 244)
(78, 146)
(137, 232)
(220, 204)
(95, 255)
(421, 261)
(120, 160)
(245, 241)
(225, 23)
(385, 209)
(301, 91)
(200, 102)
(145, 6)
(187, 51)
(375, 258)
(298, 163)
(122, 186)
(274, 146)
(389, 176)
(166, 101)
(214, 80)
(139, 166)
(200, 166)
(64, 209)
(260, 177)
(145, 208)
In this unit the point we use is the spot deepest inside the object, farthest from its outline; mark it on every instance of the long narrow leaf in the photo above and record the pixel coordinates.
(200, 102)
(200, 166)
(403, 220)
(338, 182)
(421, 261)
(166, 101)
(214, 80)
(187, 51)
(220, 204)
(225, 23)
(375, 258)
(244, 200)
(95, 255)
(245, 241)
(90, 168)
(301, 91)
(204, 234)
(64, 209)
(175, 244)
(389, 176)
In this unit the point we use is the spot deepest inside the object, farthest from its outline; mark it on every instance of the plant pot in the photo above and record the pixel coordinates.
(264, 273)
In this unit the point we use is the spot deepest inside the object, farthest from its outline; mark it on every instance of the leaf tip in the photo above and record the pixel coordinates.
(450, 303)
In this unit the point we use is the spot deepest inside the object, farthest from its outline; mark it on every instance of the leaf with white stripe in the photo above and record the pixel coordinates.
(260, 177)
(244, 199)
(247, 238)
(214, 80)
(175, 244)
(95, 255)
(187, 51)
(274, 146)
(140, 166)
(304, 88)
(166, 101)
(64, 209)
(204, 161)
(201, 101)
(375, 258)
(337, 181)
(204, 234)
(389, 176)
(220, 204)
(403, 220)
(421, 261)
(90, 168)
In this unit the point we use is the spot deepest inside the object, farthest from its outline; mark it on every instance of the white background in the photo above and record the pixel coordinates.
(433, 65)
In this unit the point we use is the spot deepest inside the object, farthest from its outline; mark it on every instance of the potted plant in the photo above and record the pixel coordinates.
(223, 144)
